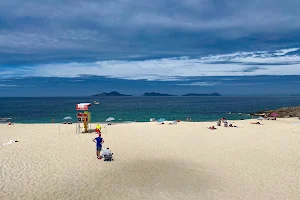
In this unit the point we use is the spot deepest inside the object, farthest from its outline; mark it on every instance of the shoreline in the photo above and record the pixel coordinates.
(103, 123)
(131, 122)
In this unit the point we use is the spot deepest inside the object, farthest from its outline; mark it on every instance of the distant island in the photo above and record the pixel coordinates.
(111, 94)
(195, 94)
(156, 94)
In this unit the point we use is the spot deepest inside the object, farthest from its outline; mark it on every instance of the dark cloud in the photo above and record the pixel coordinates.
(252, 69)
(85, 30)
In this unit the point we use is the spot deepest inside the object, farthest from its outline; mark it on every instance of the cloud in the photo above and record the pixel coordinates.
(285, 51)
(207, 84)
(200, 84)
(252, 69)
(7, 85)
(87, 31)
(256, 57)
(169, 69)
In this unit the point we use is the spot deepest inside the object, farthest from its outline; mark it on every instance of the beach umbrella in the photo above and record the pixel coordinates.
(274, 114)
(161, 120)
(110, 119)
(68, 118)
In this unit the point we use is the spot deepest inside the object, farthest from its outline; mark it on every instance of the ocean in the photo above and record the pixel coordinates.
(140, 109)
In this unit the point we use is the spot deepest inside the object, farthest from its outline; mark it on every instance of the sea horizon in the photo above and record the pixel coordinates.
(140, 109)
(173, 95)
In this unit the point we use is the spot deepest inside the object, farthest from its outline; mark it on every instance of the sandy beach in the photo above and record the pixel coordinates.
(152, 161)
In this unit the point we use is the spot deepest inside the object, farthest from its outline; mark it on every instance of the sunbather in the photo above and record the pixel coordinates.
(256, 123)
(230, 125)
(212, 128)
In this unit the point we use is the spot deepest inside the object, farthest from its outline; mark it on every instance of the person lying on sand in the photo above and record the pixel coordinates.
(230, 125)
(256, 123)
(212, 128)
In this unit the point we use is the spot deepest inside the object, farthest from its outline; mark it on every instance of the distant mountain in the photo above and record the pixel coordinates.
(196, 95)
(156, 94)
(111, 94)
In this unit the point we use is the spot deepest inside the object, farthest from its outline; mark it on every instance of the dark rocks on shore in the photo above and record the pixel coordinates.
(282, 112)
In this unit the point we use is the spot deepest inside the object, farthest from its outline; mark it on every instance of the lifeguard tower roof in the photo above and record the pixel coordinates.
(83, 106)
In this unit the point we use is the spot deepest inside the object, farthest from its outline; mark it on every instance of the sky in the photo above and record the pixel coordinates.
(83, 47)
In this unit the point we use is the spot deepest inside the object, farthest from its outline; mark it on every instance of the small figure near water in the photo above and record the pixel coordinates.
(225, 123)
(52, 120)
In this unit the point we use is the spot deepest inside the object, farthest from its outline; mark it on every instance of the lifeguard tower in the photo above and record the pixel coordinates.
(83, 117)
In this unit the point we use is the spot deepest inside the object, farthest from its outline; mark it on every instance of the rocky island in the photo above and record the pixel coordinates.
(196, 95)
(156, 94)
(111, 94)
(282, 112)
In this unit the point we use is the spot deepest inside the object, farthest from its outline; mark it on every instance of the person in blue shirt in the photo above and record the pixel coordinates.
(99, 141)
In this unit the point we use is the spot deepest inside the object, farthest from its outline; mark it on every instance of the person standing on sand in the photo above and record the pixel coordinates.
(99, 141)
(98, 128)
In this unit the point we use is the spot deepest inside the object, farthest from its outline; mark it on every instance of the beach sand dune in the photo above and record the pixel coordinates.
(152, 161)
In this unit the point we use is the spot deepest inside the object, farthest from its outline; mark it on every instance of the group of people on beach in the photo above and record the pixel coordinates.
(219, 123)
(225, 122)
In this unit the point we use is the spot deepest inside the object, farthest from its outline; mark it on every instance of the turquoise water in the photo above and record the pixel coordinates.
(141, 109)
